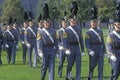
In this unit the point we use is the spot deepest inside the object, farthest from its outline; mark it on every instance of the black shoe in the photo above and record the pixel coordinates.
(66, 78)
(89, 78)
(60, 76)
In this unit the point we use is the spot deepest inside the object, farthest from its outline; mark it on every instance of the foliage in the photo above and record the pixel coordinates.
(106, 8)
(12, 8)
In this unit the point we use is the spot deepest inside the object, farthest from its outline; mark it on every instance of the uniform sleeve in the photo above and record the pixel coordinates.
(103, 42)
(81, 41)
(65, 39)
(5, 38)
(39, 42)
(109, 44)
(87, 42)
(27, 36)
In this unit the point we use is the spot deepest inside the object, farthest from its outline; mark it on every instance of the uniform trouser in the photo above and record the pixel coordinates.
(116, 69)
(0, 54)
(24, 52)
(48, 61)
(62, 57)
(11, 51)
(94, 60)
(75, 56)
(34, 49)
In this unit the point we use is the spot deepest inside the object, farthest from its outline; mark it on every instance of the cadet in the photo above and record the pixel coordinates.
(40, 22)
(23, 36)
(62, 54)
(1, 43)
(72, 41)
(95, 46)
(11, 40)
(47, 47)
(32, 43)
(113, 47)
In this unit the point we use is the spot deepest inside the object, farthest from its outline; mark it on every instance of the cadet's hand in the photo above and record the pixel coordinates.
(40, 54)
(92, 53)
(7, 46)
(67, 51)
(23, 42)
(60, 47)
(112, 57)
(28, 45)
(83, 53)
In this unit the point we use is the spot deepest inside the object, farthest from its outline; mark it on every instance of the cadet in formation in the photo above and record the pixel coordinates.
(113, 48)
(62, 54)
(32, 43)
(95, 46)
(72, 42)
(1, 43)
(46, 49)
(23, 38)
(11, 40)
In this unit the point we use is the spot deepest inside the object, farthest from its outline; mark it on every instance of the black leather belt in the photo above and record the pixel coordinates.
(117, 47)
(48, 45)
(95, 43)
(73, 43)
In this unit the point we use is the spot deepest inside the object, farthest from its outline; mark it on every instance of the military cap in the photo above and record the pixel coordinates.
(40, 18)
(93, 13)
(117, 14)
(46, 12)
(74, 9)
(10, 21)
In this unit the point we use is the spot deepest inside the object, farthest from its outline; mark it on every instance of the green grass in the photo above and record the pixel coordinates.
(21, 71)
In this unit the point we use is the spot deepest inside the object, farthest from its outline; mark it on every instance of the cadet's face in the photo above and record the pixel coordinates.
(30, 24)
(25, 24)
(117, 26)
(47, 24)
(40, 24)
(73, 22)
(64, 24)
(94, 24)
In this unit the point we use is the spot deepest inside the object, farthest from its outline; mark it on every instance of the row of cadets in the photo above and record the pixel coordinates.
(23, 36)
(31, 41)
(1, 42)
(46, 43)
(60, 34)
(113, 46)
(11, 40)
(73, 44)
(95, 46)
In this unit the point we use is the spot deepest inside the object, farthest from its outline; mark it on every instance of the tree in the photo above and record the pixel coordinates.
(106, 9)
(12, 8)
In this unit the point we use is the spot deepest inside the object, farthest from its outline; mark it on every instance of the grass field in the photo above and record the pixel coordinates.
(21, 71)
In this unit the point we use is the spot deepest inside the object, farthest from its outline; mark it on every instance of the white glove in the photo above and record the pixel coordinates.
(7, 46)
(23, 42)
(61, 47)
(113, 58)
(68, 52)
(40, 54)
(92, 53)
(28, 45)
(83, 53)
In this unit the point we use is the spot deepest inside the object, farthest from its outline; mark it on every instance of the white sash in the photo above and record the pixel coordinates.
(114, 32)
(74, 33)
(32, 31)
(48, 34)
(76, 36)
(11, 34)
(91, 29)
